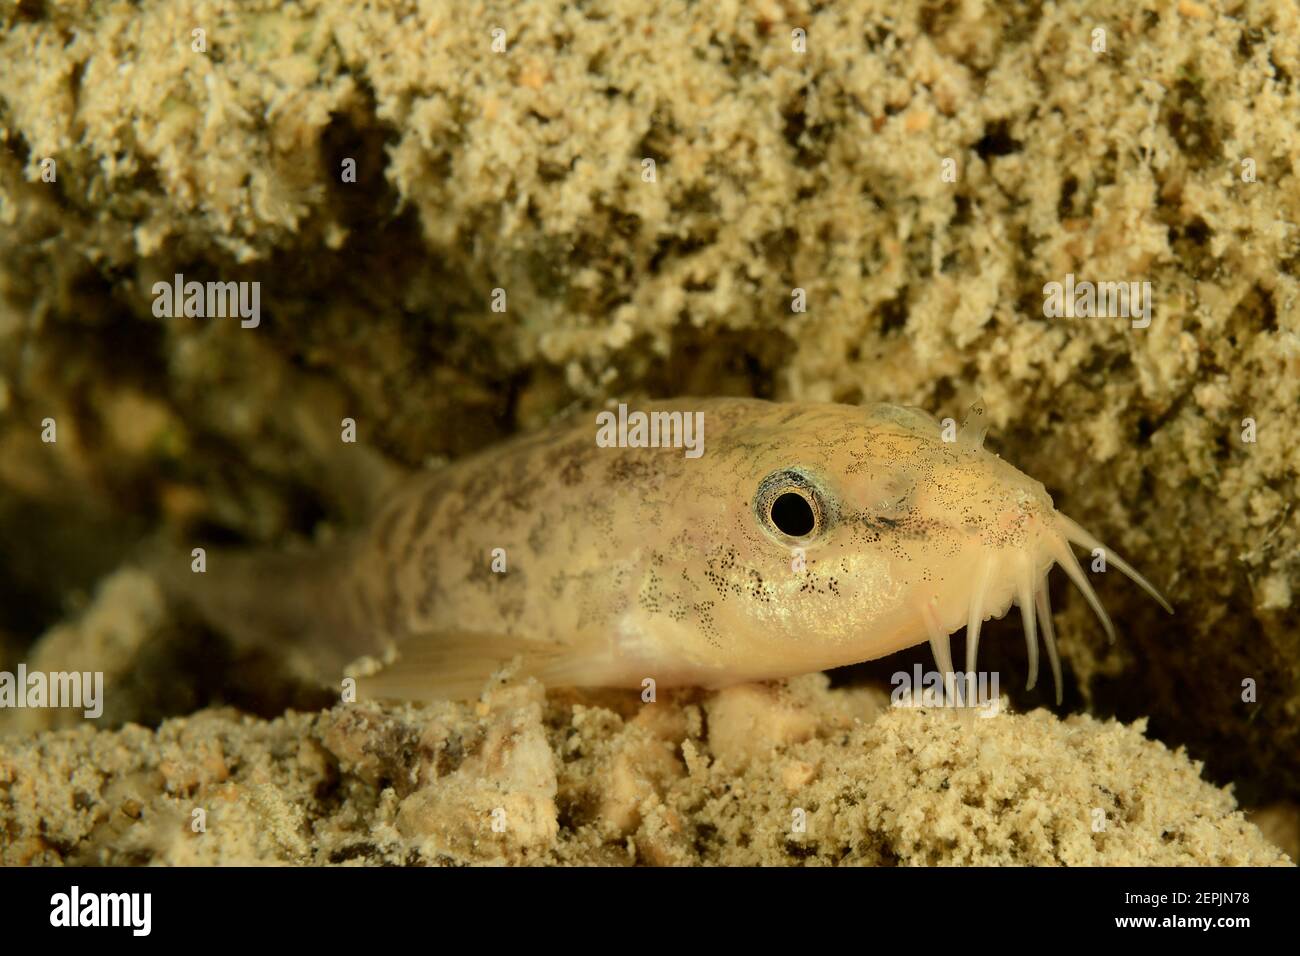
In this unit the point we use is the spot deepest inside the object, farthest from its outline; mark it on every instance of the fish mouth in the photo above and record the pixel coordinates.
(1030, 593)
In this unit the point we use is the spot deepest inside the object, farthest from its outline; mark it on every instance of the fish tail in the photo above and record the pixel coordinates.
(299, 604)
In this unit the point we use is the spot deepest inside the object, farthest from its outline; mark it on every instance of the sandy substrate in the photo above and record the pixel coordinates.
(524, 171)
(752, 775)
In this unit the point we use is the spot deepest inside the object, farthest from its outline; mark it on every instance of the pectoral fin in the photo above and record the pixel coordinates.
(458, 666)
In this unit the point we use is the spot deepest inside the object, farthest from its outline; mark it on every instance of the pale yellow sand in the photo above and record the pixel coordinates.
(751, 775)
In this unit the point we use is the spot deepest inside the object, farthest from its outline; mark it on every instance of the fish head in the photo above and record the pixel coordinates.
(850, 525)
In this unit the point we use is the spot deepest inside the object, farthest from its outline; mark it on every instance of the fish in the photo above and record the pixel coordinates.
(799, 537)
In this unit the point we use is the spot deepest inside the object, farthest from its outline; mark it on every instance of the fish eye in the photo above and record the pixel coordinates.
(790, 504)
(792, 514)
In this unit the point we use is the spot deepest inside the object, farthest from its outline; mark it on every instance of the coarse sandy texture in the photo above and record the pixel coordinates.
(775, 170)
(749, 775)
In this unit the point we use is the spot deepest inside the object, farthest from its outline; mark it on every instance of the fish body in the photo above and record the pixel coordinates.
(803, 537)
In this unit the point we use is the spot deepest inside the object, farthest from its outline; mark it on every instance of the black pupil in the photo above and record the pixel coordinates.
(792, 515)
